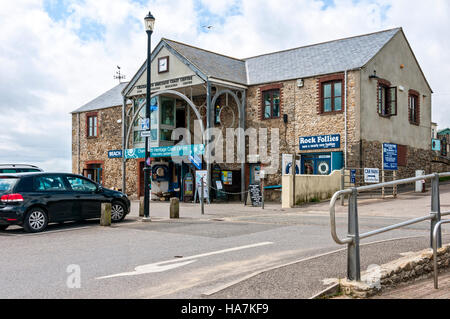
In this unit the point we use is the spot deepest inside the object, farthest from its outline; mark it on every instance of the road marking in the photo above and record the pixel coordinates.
(175, 263)
(46, 232)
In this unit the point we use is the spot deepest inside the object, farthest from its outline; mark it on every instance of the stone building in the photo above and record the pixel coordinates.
(332, 104)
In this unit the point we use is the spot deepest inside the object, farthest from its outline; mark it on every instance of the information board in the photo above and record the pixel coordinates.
(390, 157)
(371, 175)
(255, 195)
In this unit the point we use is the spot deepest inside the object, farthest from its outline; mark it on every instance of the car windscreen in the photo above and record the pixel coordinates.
(7, 184)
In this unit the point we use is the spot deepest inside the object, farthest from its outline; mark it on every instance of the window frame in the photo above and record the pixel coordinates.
(331, 79)
(414, 95)
(389, 103)
(270, 90)
(95, 116)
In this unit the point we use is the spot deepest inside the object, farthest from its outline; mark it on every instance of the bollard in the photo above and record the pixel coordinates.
(202, 190)
(174, 207)
(105, 218)
(141, 206)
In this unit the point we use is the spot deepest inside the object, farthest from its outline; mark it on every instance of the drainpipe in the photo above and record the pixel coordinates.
(79, 144)
(124, 183)
(345, 120)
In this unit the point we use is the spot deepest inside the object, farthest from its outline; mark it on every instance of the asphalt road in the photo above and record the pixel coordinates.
(198, 255)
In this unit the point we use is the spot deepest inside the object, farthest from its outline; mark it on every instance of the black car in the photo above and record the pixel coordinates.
(33, 200)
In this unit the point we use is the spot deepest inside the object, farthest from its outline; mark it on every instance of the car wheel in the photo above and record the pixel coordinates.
(35, 221)
(118, 212)
(3, 227)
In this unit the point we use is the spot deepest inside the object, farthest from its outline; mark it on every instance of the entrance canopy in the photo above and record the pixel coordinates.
(185, 81)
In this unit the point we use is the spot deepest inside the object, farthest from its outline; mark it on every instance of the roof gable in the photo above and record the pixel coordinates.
(112, 97)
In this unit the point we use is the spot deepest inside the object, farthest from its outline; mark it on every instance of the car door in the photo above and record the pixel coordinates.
(88, 197)
(54, 194)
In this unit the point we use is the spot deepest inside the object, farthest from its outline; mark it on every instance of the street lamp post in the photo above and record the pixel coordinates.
(149, 24)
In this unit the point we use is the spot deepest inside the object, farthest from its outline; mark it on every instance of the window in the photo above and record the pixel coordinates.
(271, 104)
(332, 96)
(414, 107)
(49, 183)
(387, 99)
(81, 185)
(217, 112)
(92, 125)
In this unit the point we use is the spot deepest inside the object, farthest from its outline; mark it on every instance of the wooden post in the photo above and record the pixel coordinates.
(105, 219)
(174, 207)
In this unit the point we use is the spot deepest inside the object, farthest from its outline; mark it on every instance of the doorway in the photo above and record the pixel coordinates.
(94, 172)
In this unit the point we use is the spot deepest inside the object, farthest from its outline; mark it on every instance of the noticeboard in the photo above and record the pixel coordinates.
(371, 175)
(254, 191)
(390, 157)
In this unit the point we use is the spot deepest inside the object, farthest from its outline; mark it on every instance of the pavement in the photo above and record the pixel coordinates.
(232, 251)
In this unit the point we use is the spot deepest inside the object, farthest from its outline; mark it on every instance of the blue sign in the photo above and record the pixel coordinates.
(145, 124)
(353, 176)
(196, 160)
(390, 157)
(167, 151)
(115, 154)
(435, 144)
(320, 142)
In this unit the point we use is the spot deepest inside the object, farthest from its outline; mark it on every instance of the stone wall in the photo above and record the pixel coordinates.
(300, 104)
(95, 149)
(416, 159)
(414, 266)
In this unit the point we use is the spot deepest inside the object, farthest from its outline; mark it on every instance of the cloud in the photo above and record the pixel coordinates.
(58, 55)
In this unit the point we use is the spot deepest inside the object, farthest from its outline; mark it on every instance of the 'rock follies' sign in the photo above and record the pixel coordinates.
(320, 142)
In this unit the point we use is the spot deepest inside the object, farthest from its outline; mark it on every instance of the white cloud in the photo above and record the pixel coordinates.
(48, 70)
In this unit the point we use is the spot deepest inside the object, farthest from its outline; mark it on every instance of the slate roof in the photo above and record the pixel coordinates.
(110, 98)
(318, 59)
(212, 64)
(324, 58)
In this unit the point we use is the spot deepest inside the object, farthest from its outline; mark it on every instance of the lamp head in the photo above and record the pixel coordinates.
(149, 22)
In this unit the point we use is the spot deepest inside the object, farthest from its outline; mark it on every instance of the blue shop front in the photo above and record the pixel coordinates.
(317, 155)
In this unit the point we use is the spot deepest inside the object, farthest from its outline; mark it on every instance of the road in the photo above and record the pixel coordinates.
(197, 255)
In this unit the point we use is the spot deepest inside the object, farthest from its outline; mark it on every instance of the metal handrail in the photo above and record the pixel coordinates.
(435, 232)
(353, 235)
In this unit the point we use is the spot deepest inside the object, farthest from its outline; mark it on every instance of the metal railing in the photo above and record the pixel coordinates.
(355, 177)
(353, 236)
(436, 230)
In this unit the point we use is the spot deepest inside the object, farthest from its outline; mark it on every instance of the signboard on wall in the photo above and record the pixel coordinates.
(371, 175)
(166, 151)
(436, 145)
(390, 157)
(320, 142)
(115, 154)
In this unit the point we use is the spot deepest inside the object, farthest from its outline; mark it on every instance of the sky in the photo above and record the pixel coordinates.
(57, 55)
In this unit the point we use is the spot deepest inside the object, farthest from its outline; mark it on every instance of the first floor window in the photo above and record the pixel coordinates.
(217, 112)
(271, 104)
(332, 96)
(413, 108)
(387, 100)
(92, 128)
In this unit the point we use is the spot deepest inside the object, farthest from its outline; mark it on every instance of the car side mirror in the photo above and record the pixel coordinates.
(99, 189)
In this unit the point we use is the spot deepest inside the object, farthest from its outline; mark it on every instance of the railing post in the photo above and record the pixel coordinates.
(353, 260)
(342, 185)
(436, 210)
